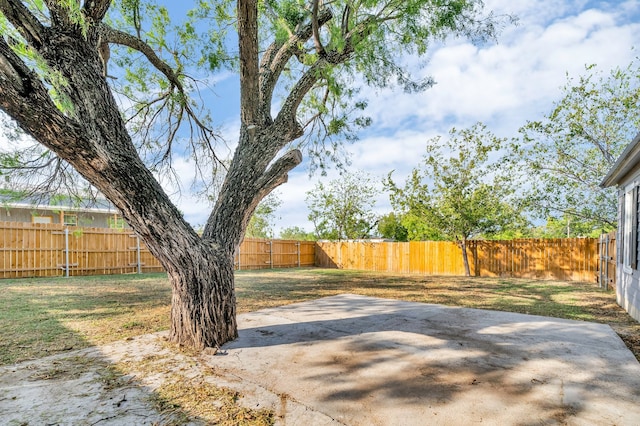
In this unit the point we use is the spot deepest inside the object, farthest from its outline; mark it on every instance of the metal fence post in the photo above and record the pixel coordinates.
(66, 252)
(138, 260)
(606, 265)
(600, 261)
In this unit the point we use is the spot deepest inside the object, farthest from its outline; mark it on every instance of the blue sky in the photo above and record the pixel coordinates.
(502, 84)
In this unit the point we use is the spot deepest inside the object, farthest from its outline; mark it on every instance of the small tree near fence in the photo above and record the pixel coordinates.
(459, 196)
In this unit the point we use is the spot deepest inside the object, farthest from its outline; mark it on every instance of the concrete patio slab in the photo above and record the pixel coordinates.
(359, 360)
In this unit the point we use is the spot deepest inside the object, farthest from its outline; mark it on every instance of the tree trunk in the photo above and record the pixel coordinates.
(203, 305)
(465, 257)
(98, 146)
(92, 136)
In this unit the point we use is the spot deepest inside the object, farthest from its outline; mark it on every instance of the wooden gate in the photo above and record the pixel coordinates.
(607, 260)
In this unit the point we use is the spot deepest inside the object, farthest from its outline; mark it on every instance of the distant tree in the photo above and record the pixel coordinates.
(562, 158)
(456, 191)
(297, 233)
(343, 209)
(261, 223)
(567, 226)
(390, 226)
(418, 228)
(510, 233)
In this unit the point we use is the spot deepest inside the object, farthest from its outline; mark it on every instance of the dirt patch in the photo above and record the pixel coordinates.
(142, 381)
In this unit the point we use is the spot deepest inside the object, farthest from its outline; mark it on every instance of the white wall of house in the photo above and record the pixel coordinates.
(628, 293)
(628, 279)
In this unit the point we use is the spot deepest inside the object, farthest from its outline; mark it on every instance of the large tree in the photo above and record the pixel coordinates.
(563, 157)
(457, 192)
(298, 62)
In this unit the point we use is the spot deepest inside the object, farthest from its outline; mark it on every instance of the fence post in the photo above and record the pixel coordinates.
(270, 242)
(606, 264)
(138, 264)
(138, 260)
(298, 250)
(66, 252)
(600, 260)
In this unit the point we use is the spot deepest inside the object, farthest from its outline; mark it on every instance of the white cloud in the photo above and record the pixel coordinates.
(503, 84)
(521, 75)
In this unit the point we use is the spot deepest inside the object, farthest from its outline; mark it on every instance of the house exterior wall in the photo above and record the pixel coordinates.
(88, 219)
(628, 293)
(628, 258)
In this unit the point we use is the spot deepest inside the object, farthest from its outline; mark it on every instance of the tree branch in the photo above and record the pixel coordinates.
(59, 14)
(114, 36)
(289, 109)
(609, 158)
(287, 115)
(276, 58)
(276, 175)
(96, 9)
(27, 100)
(12, 75)
(24, 21)
(248, 44)
(111, 35)
(315, 28)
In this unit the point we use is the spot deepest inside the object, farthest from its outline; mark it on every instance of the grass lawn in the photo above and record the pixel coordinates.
(43, 316)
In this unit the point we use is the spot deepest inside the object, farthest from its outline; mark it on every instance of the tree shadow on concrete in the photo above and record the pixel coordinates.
(409, 363)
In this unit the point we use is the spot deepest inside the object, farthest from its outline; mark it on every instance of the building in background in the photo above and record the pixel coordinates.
(70, 211)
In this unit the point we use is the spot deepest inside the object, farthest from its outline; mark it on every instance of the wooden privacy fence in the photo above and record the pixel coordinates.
(45, 250)
(41, 250)
(564, 259)
(257, 253)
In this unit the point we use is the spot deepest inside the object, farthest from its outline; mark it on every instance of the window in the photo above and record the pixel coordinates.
(41, 219)
(116, 223)
(629, 227)
(71, 219)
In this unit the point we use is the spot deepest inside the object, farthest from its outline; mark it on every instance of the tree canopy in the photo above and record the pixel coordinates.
(297, 233)
(343, 209)
(390, 226)
(457, 193)
(562, 158)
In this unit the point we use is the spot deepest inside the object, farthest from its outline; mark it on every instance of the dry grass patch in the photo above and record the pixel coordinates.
(185, 390)
(46, 316)
(184, 399)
